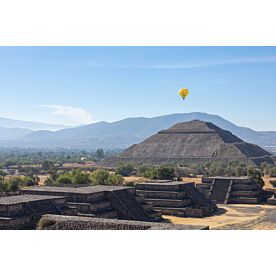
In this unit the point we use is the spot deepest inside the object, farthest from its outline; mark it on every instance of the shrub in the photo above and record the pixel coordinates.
(13, 184)
(64, 179)
(115, 180)
(125, 169)
(273, 183)
(100, 177)
(79, 177)
(164, 172)
(44, 223)
(255, 174)
(272, 172)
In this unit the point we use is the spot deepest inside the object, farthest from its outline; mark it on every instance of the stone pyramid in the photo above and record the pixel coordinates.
(193, 141)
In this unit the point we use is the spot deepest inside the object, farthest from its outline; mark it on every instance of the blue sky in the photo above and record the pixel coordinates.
(79, 85)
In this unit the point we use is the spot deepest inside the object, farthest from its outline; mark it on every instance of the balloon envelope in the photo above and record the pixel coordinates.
(184, 92)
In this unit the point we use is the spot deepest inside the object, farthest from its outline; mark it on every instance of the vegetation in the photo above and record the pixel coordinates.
(165, 172)
(125, 169)
(46, 158)
(12, 185)
(76, 177)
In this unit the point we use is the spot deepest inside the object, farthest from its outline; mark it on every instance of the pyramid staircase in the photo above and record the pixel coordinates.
(102, 202)
(175, 199)
(224, 190)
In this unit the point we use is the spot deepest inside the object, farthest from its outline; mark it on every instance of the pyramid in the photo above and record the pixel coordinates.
(193, 141)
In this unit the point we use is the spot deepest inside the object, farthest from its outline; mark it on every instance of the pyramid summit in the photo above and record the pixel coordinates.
(193, 141)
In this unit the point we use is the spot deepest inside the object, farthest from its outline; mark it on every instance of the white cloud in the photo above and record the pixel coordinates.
(77, 115)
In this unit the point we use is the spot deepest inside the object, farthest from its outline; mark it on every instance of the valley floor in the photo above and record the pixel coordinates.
(235, 217)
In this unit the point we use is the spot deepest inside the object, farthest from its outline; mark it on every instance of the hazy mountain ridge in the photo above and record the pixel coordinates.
(11, 123)
(123, 133)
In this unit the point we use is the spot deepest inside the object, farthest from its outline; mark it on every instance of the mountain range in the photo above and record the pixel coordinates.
(11, 123)
(122, 134)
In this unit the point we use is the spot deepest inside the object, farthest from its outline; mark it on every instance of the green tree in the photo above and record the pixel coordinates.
(125, 169)
(79, 177)
(256, 175)
(272, 172)
(115, 180)
(100, 154)
(100, 177)
(64, 179)
(3, 174)
(47, 165)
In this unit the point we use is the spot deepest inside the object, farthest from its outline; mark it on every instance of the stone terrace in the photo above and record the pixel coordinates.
(102, 201)
(53, 222)
(231, 190)
(176, 198)
(24, 211)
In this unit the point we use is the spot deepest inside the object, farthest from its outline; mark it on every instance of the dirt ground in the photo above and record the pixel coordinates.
(267, 180)
(235, 217)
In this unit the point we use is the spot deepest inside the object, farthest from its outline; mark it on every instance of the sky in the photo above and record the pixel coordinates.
(81, 85)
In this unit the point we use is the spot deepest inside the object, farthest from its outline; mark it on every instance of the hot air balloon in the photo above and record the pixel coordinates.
(184, 92)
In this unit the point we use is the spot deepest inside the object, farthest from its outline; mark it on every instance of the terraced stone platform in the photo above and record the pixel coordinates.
(53, 222)
(24, 211)
(110, 202)
(231, 190)
(176, 199)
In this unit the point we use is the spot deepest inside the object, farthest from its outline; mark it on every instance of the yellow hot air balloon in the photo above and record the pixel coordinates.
(184, 92)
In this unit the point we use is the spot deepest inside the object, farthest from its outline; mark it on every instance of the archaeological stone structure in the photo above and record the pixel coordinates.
(231, 190)
(102, 201)
(24, 211)
(176, 199)
(193, 141)
(54, 222)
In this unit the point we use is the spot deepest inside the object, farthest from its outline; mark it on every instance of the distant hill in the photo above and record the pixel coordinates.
(13, 133)
(124, 133)
(10, 123)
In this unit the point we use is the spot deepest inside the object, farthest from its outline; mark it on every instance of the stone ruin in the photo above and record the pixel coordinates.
(109, 202)
(231, 190)
(193, 142)
(176, 199)
(53, 222)
(24, 211)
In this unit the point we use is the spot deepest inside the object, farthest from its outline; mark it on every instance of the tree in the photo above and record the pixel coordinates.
(125, 169)
(64, 179)
(256, 175)
(31, 180)
(79, 177)
(100, 154)
(272, 172)
(100, 177)
(3, 174)
(115, 180)
(47, 165)
(165, 172)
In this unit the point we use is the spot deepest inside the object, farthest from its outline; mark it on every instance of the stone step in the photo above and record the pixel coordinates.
(178, 212)
(244, 200)
(158, 187)
(161, 194)
(169, 203)
(140, 199)
(81, 207)
(5, 219)
(271, 201)
(100, 206)
(251, 194)
(89, 208)
(112, 214)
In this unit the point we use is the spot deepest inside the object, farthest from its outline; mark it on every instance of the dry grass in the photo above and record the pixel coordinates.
(267, 180)
(235, 216)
